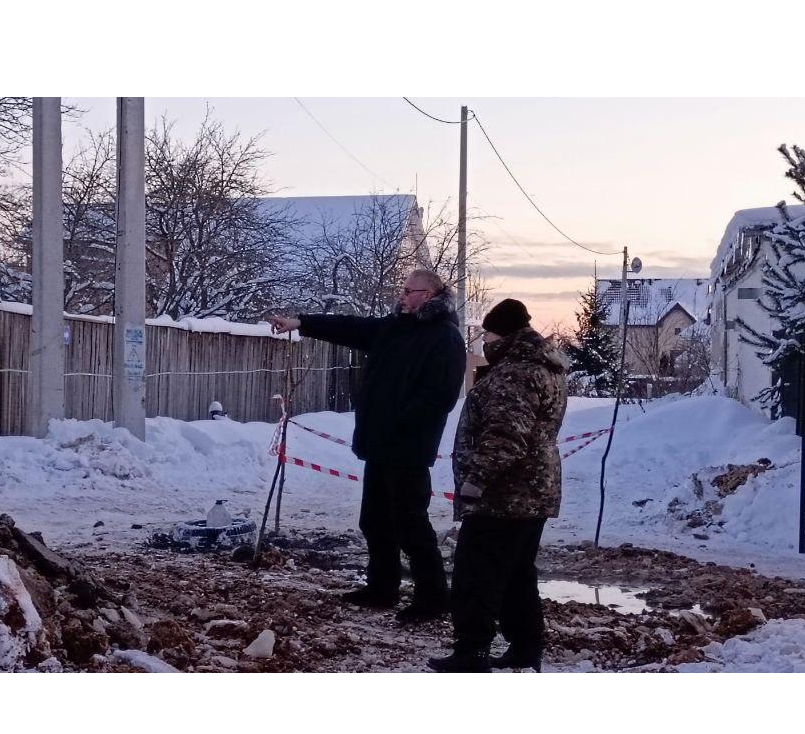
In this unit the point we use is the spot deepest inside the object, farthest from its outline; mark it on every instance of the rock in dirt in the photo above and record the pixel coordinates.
(263, 646)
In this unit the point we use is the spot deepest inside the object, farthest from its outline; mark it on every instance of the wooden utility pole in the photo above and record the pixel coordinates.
(624, 295)
(461, 289)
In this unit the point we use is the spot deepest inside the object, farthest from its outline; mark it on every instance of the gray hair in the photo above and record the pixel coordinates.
(433, 281)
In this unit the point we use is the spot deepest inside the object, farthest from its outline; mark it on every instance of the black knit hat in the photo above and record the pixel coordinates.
(507, 317)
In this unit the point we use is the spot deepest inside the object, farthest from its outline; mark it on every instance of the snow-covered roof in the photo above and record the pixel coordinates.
(653, 298)
(338, 212)
(745, 219)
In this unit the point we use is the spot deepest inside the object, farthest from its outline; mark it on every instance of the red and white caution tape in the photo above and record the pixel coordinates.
(334, 439)
(342, 442)
(273, 446)
(294, 461)
(317, 467)
(580, 436)
(586, 443)
(277, 448)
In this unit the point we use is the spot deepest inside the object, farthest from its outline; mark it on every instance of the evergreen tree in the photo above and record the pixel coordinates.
(595, 353)
(784, 294)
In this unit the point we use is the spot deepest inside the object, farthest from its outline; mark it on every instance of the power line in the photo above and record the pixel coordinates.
(530, 200)
(474, 116)
(438, 119)
(354, 158)
(508, 234)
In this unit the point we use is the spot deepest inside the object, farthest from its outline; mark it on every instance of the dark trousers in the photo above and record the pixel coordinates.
(495, 579)
(394, 517)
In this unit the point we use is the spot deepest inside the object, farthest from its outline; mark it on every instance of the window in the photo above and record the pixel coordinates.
(678, 330)
(748, 294)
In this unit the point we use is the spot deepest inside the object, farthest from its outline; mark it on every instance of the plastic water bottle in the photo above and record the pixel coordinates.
(218, 517)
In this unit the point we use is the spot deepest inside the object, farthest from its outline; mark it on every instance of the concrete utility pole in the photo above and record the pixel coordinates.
(461, 289)
(128, 374)
(624, 286)
(46, 360)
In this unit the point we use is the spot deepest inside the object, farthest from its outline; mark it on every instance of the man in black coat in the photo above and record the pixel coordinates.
(411, 382)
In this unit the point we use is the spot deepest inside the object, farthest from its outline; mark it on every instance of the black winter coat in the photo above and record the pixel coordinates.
(411, 381)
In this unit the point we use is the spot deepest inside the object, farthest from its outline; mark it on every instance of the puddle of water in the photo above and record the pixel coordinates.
(617, 599)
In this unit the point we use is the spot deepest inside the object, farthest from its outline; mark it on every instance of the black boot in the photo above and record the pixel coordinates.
(422, 611)
(517, 658)
(471, 661)
(368, 597)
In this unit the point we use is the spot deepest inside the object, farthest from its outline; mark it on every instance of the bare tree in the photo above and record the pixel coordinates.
(214, 249)
(15, 208)
(15, 128)
(559, 334)
(441, 236)
(15, 261)
(357, 265)
(15, 285)
(89, 195)
(692, 367)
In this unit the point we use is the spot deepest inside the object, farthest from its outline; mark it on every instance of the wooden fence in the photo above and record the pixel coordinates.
(186, 371)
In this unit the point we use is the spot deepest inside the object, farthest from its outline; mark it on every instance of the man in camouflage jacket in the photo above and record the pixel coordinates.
(508, 480)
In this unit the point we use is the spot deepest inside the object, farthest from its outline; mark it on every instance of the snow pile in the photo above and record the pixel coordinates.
(89, 472)
(20, 623)
(651, 462)
(776, 647)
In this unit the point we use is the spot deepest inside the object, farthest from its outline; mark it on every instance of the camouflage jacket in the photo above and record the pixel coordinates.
(505, 458)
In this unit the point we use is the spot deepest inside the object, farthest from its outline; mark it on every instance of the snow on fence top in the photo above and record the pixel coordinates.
(212, 324)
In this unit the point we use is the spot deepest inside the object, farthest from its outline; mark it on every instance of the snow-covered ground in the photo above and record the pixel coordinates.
(776, 646)
(653, 457)
(85, 472)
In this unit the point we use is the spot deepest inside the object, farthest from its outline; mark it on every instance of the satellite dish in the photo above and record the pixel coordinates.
(637, 265)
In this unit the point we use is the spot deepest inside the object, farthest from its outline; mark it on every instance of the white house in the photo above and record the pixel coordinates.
(662, 314)
(735, 287)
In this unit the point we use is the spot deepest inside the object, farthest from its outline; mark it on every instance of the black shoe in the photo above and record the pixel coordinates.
(421, 612)
(476, 661)
(514, 658)
(370, 598)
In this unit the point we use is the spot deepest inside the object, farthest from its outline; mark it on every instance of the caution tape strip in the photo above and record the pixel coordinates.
(294, 461)
(334, 439)
(586, 443)
(277, 448)
(342, 442)
(580, 436)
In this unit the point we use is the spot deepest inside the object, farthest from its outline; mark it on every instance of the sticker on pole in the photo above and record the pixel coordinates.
(134, 353)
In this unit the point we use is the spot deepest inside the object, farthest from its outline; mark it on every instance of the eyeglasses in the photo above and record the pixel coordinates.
(409, 291)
